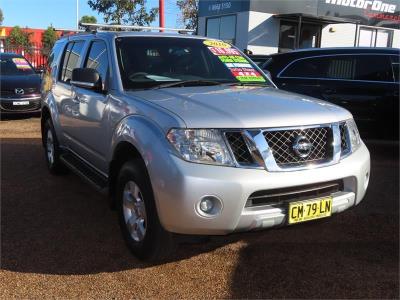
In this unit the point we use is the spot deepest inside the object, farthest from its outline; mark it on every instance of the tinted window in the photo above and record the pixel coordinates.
(341, 67)
(98, 58)
(15, 66)
(373, 68)
(309, 68)
(71, 60)
(347, 67)
(395, 67)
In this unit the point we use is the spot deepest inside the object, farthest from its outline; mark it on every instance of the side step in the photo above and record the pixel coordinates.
(86, 172)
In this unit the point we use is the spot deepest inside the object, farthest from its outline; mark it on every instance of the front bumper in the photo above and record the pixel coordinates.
(27, 104)
(178, 187)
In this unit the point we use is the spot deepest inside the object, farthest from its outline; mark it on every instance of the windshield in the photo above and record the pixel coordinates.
(15, 66)
(148, 62)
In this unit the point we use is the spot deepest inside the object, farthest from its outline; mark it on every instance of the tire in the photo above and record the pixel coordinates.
(52, 150)
(137, 213)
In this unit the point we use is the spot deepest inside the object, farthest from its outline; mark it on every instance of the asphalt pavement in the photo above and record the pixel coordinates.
(60, 239)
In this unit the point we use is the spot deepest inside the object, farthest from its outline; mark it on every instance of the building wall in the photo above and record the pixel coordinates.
(396, 39)
(242, 33)
(263, 36)
(343, 35)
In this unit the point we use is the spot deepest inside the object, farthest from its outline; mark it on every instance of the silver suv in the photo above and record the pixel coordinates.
(188, 136)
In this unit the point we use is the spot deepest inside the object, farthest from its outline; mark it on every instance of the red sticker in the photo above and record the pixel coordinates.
(224, 51)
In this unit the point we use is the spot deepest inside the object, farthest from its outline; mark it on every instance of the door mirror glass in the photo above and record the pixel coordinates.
(86, 78)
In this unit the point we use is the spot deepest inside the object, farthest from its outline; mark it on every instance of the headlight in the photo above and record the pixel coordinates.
(354, 135)
(204, 146)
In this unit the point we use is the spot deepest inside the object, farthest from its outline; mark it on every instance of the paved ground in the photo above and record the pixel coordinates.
(59, 239)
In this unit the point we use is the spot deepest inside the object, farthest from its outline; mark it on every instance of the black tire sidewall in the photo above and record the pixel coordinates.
(147, 249)
(56, 167)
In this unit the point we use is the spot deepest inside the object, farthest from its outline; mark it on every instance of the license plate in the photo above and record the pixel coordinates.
(20, 102)
(307, 210)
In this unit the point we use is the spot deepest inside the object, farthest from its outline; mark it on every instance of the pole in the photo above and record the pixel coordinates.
(77, 14)
(161, 11)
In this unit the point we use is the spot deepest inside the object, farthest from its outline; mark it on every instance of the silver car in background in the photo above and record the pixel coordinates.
(188, 136)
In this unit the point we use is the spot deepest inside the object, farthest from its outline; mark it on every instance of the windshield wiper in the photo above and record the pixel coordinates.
(187, 83)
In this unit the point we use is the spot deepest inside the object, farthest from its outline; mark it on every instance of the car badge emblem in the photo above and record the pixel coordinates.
(19, 91)
(302, 146)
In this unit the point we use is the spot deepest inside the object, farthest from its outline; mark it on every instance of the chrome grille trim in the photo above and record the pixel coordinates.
(281, 142)
(262, 153)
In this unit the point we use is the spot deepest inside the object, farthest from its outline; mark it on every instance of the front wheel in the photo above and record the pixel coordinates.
(138, 217)
(52, 150)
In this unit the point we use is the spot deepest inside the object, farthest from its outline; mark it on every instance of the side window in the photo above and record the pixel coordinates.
(373, 68)
(341, 67)
(70, 60)
(395, 67)
(98, 59)
(308, 68)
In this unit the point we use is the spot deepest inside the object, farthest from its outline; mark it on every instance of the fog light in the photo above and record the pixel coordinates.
(206, 205)
(209, 206)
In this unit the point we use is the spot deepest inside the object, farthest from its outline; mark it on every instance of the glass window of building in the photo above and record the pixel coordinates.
(223, 28)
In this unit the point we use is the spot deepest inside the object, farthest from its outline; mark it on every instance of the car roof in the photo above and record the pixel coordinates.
(336, 50)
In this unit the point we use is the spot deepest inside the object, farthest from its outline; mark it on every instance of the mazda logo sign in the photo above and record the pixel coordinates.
(19, 91)
(302, 146)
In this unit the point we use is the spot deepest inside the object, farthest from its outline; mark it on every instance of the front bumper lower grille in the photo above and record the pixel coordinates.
(291, 194)
(8, 106)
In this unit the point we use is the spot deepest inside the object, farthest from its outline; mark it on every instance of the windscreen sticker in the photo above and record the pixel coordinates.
(239, 65)
(224, 51)
(21, 63)
(232, 59)
(235, 62)
(216, 44)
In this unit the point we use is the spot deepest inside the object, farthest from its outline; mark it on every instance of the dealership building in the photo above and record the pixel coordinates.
(271, 26)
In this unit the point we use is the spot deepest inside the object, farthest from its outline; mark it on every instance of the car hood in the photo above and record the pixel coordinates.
(243, 107)
(8, 82)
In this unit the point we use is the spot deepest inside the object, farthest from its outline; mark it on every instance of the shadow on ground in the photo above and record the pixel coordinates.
(60, 225)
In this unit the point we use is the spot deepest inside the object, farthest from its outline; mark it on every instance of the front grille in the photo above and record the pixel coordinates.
(291, 194)
(11, 92)
(344, 145)
(239, 147)
(281, 145)
(8, 106)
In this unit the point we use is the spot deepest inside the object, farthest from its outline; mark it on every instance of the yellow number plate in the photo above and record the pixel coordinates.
(307, 210)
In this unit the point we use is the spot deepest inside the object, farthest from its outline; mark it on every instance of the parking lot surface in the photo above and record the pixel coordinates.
(60, 239)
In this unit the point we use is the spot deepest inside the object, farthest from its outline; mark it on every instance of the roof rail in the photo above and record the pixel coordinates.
(95, 27)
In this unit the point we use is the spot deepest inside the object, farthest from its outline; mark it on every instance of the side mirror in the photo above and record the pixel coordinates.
(86, 78)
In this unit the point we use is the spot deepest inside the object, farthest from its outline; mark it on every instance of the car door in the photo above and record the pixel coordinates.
(91, 128)
(68, 107)
(363, 84)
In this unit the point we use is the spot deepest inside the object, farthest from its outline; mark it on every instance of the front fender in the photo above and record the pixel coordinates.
(50, 103)
(150, 141)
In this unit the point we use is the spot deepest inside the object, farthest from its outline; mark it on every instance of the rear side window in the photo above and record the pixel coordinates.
(341, 67)
(307, 68)
(71, 57)
(373, 68)
(98, 59)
